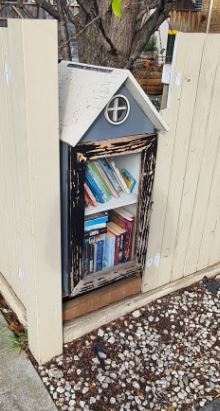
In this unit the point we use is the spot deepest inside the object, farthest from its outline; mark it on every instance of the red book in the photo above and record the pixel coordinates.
(119, 233)
(122, 218)
(89, 197)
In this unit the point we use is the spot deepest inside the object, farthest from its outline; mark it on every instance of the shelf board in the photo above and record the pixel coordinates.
(122, 201)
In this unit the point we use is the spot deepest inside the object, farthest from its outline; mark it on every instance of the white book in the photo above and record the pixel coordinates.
(120, 178)
(123, 212)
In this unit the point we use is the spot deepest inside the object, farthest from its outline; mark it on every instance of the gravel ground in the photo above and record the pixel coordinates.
(164, 356)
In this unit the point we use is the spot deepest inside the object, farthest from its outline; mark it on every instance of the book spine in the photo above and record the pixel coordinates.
(101, 177)
(128, 227)
(106, 252)
(86, 256)
(109, 251)
(95, 232)
(112, 251)
(95, 256)
(121, 248)
(93, 187)
(99, 255)
(91, 258)
(96, 221)
(96, 178)
(120, 178)
(117, 247)
(107, 168)
(89, 194)
(129, 179)
(106, 179)
(96, 215)
(95, 227)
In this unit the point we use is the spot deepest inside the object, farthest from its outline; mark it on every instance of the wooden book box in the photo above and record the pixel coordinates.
(104, 114)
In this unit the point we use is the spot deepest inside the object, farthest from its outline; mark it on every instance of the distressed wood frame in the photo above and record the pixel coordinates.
(146, 144)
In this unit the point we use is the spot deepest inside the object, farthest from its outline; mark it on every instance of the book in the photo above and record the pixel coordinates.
(129, 179)
(119, 233)
(106, 179)
(95, 227)
(99, 249)
(100, 177)
(96, 215)
(123, 211)
(119, 177)
(95, 221)
(86, 200)
(95, 232)
(107, 168)
(89, 196)
(109, 250)
(91, 257)
(94, 174)
(94, 187)
(127, 224)
(86, 252)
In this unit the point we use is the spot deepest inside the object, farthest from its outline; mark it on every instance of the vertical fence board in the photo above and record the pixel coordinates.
(30, 257)
(152, 277)
(41, 85)
(19, 156)
(163, 176)
(210, 245)
(8, 199)
(3, 130)
(199, 171)
(190, 70)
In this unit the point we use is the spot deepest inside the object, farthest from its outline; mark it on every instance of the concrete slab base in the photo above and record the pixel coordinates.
(21, 388)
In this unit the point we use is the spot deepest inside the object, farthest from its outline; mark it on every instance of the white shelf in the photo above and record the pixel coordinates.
(122, 201)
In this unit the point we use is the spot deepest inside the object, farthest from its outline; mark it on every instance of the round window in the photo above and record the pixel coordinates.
(117, 110)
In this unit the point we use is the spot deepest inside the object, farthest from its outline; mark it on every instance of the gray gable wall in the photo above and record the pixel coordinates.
(136, 123)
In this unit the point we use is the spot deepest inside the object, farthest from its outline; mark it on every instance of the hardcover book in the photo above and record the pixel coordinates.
(109, 250)
(128, 225)
(119, 233)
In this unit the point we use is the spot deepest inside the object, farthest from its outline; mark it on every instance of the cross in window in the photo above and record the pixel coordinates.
(117, 109)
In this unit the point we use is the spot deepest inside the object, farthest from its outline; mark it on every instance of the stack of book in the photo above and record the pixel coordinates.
(108, 239)
(104, 180)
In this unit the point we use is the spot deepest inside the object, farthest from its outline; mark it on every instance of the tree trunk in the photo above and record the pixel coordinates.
(95, 42)
(63, 35)
(63, 41)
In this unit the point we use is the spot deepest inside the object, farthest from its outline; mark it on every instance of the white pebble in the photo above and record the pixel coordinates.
(136, 314)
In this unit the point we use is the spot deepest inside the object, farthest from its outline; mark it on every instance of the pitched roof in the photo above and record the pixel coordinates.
(85, 90)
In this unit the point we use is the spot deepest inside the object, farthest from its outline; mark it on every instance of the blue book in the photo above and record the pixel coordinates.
(99, 220)
(99, 183)
(93, 187)
(99, 248)
(109, 251)
(86, 252)
(92, 165)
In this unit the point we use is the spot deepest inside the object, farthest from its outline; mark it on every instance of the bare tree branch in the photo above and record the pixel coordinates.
(105, 35)
(143, 34)
(46, 5)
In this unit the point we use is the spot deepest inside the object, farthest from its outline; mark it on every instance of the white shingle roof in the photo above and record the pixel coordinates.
(85, 90)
